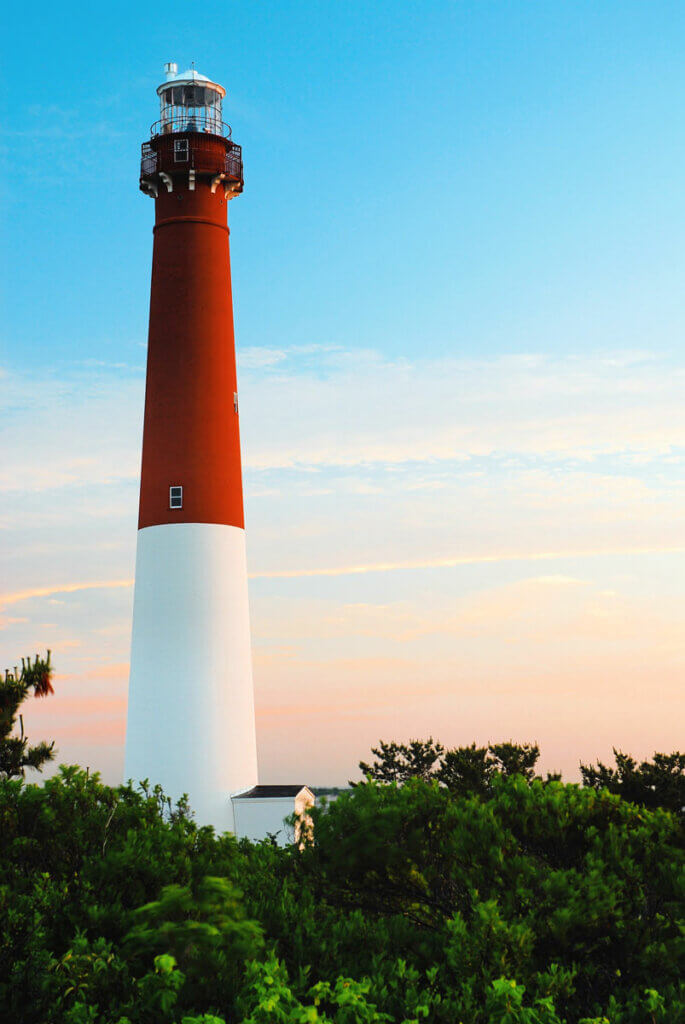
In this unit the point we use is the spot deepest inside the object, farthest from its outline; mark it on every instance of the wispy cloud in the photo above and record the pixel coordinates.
(342, 409)
(459, 560)
(77, 430)
(18, 596)
(61, 588)
(259, 358)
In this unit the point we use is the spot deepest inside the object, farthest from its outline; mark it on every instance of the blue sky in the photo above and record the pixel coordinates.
(458, 277)
(427, 177)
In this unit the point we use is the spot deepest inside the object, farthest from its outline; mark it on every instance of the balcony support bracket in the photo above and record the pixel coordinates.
(149, 187)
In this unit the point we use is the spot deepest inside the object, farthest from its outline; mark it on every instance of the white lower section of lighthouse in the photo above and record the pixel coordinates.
(191, 706)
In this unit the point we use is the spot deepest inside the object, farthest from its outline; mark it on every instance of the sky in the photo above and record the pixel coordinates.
(458, 290)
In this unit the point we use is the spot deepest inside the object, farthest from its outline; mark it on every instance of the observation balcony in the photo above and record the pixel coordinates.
(232, 163)
(174, 156)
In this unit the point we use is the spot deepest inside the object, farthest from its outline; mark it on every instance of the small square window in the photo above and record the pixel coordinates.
(176, 497)
(180, 150)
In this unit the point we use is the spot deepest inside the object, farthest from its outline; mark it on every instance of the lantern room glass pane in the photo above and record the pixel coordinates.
(192, 107)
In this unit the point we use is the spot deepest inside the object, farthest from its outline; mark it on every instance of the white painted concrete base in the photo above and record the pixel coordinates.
(191, 706)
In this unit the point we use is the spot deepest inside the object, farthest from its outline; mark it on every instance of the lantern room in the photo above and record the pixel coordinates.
(190, 145)
(189, 102)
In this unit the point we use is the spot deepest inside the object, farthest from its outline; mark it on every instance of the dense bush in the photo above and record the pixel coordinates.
(536, 903)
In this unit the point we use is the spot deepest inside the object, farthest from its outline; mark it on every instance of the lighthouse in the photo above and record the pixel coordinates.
(191, 723)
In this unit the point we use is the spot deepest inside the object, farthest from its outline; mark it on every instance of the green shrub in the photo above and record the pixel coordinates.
(533, 903)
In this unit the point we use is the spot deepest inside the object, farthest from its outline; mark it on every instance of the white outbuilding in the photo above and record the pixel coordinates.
(261, 812)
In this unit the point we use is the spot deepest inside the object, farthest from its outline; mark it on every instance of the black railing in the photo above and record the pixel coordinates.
(191, 121)
(234, 162)
(148, 160)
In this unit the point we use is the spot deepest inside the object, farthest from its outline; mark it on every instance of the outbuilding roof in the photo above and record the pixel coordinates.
(269, 792)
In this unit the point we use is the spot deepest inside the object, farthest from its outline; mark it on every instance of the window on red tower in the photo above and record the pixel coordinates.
(180, 150)
(176, 497)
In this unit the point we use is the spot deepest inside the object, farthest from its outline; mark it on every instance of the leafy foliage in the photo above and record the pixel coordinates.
(15, 753)
(204, 926)
(450, 886)
(532, 903)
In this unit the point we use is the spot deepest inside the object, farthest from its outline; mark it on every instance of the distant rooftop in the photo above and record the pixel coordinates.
(266, 792)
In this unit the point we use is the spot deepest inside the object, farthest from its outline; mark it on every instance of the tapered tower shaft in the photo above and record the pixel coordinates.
(191, 712)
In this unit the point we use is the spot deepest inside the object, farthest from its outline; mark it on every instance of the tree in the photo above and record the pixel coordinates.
(397, 762)
(516, 759)
(463, 769)
(15, 753)
(656, 783)
(467, 770)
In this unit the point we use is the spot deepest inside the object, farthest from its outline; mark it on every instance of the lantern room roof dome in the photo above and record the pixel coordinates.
(190, 75)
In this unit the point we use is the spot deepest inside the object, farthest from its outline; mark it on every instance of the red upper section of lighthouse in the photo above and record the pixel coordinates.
(191, 433)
